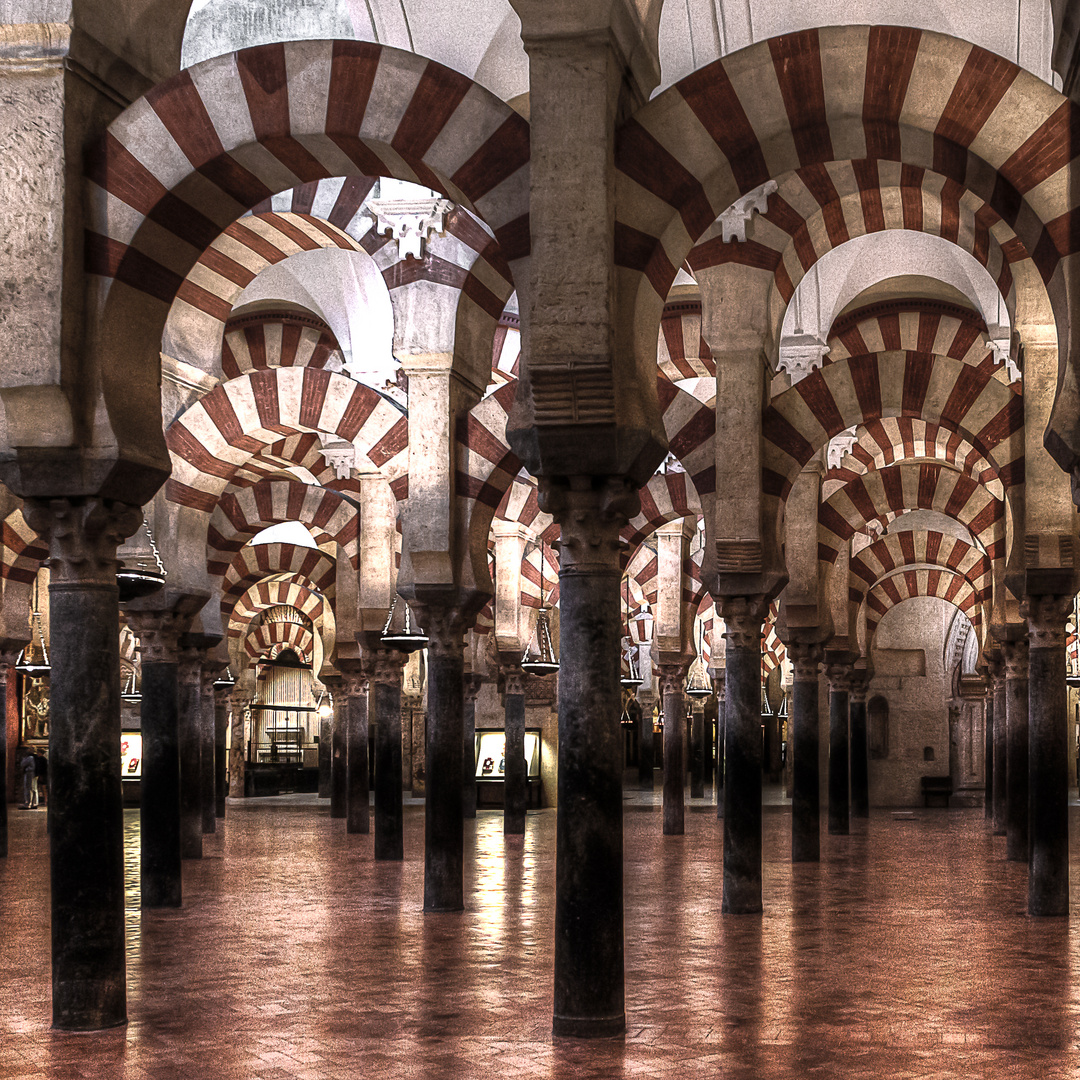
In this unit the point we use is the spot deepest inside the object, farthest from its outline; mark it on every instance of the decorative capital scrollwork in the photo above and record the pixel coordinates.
(386, 667)
(189, 671)
(743, 618)
(859, 686)
(995, 669)
(672, 678)
(354, 684)
(590, 512)
(839, 675)
(472, 686)
(513, 681)
(158, 633)
(806, 658)
(1046, 616)
(83, 535)
(1016, 659)
(445, 628)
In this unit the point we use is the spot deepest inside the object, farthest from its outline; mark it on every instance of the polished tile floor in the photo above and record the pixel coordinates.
(905, 953)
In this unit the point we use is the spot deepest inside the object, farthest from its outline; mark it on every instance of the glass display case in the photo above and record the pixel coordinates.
(490, 751)
(130, 755)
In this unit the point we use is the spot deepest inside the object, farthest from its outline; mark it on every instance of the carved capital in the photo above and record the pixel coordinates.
(472, 688)
(806, 657)
(445, 628)
(386, 668)
(158, 633)
(1016, 659)
(189, 671)
(590, 511)
(354, 684)
(83, 535)
(995, 670)
(1046, 616)
(859, 686)
(743, 618)
(514, 681)
(672, 678)
(839, 675)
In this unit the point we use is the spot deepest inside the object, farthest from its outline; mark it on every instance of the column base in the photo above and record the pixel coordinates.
(589, 1027)
(438, 909)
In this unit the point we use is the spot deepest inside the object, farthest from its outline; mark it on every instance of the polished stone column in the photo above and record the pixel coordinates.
(697, 750)
(589, 997)
(468, 772)
(1001, 744)
(357, 793)
(988, 752)
(189, 696)
(860, 749)
(1048, 747)
(516, 784)
(672, 684)
(646, 747)
(207, 739)
(743, 617)
(159, 791)
(1016, 774)
(339, 760)
(720, 686)
(444, 881)
(86, 835)
(221, 726)
(806, 659)
(839, 676)
(384, 711)
(7, 661)
(238, 743)
(326, 738)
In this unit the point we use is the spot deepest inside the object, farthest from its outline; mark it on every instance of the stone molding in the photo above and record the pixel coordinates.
(589, 518)
(1046, 616)
(83, 535)
(743, 618)
(806, 658)
(1016, 660)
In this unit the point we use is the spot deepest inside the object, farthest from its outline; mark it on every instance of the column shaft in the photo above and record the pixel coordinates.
(721, 747)
(221, 726)
(839, 823)
(1001, 751)
(326, 738)
(860, 755)
(646, 750)
(357, 790)
(159, 817)
(697, 752)
(804, 749)
(207, 739)
(674, 774)
(988, 754)
(384, 703)
(4, 675)
(1016, 712)
(515, 786)
(339, 756)
(468, 773)
(190, 724)
(237, 747)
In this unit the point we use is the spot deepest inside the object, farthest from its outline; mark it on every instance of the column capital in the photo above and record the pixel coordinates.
(472, 685)
(839, 673)
(158, 633)
(1016, 659)
(445, 627)
(189, 671)
(590, 512)
(1046, 616)
(514, 681)
(995, 668)
(806, 658)
(859, 686)
(387, 665)
(83, 535)
(672, 677)
(743, 619)
(354, 682)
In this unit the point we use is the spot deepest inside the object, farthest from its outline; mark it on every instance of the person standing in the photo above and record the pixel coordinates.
(41, 778)
(29, 780)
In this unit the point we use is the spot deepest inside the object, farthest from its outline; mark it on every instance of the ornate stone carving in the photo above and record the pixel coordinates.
(735, 219)
(340, 456)
(1016, 659)
(354, 684)
(840, 445)
(445, 628)
(386, 667)
(995, 669)
(1046, 620)
(514, 681)
(189, 672)
(839, 674)
(410, 222)
(672, 678)
(806, 657)
(743, 618)
(158, 633)
(859, 686)
(83, 535)
(590, 516)
(473, 682)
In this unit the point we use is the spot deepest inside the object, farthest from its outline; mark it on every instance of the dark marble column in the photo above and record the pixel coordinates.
(672, 684)
(207, 739)
(516, 784)
(468, 773)
(326, 738)
(720, 686)
(860, 749)
(159, 791)
(839, 676)
(339, 751)
(238, 700)
(1001, 743)
(988, 752)
(697, 750)
(189, 695)
(1048, 747)
(444, 881)
(221, 726)
(709, 740)
(1016, 773)
(357, 791)
(384, 711)
(646, 748)
(86, 835)
(804, 748)
(7, 660)
(589, 999)
(743, 618)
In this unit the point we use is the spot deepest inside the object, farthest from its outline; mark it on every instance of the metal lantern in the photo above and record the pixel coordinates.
(545, 662)
(399, 632)
(141, 573)
(129, 694)
(34, 659)
(224, 680)
(697, 685)
(632, 676)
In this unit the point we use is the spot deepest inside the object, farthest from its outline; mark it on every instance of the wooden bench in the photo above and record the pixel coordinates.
(936, 790)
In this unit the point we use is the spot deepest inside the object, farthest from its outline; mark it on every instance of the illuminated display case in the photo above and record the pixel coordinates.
(130, 755)
(491, 767)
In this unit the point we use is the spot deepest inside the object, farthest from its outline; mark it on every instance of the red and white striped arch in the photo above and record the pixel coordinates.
(253, 562)
(277, 591)
(238, 419)
(887, 493)
(918, 547)
(269, 640)
(937, 389)
(682, 352)
(23, 551)
(240, 515)
(907, 584)
(273, 340)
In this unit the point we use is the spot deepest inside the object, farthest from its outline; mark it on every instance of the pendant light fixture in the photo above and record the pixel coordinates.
(34, 659)
(129, 694)
(697, 683)
(141, 574)
(399, 632)
(224, 680)
(629, 676)
(545, 662)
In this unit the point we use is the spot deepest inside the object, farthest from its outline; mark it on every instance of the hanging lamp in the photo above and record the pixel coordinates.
(129, 694)
(34, 659)
(630, 675)
(697, 683)
(224, 680)
(545, 662)
(399, 632)
(141, 574)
